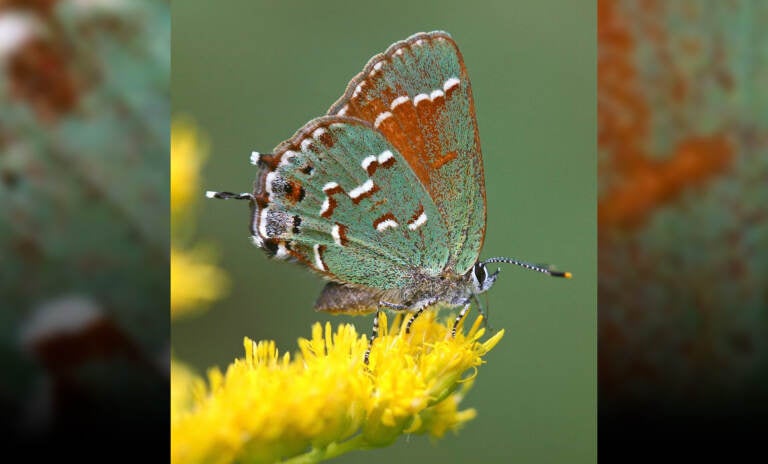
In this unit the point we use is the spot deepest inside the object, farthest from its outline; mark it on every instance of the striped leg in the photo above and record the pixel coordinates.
(461, 315)
(393, 306)
(424, 305)
(374, 334)
(413, 318)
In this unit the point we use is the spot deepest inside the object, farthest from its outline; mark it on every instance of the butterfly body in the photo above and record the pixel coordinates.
(384, 196)
(423, 291)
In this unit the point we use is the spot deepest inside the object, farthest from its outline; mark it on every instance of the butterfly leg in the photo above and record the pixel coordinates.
(461, 315)
(374, 334)
(413, 318)
(396, 307)
(393, 306)
(483, 312)
(424, 305)
(375, 331)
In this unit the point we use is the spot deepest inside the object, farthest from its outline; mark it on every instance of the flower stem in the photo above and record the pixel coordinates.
(331, 451)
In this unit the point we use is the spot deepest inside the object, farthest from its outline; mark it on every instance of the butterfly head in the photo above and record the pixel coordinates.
(481, 279)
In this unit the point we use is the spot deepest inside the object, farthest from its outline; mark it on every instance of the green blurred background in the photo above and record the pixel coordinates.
(84, 229)
(251, 73)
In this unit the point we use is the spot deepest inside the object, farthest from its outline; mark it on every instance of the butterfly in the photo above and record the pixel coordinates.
(384, 196)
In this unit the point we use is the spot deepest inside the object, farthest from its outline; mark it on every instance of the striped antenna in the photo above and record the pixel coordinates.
(530, 266)
(228, 195)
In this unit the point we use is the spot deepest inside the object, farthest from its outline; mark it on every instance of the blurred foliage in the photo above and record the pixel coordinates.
(84, 141)
(683, 216)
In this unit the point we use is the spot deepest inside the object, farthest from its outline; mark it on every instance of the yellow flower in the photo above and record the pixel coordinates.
(184, 382)
(325, 401)
(195, 282)
(188, 151)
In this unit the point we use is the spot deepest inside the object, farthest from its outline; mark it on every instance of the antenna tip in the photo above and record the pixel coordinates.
(566, 275)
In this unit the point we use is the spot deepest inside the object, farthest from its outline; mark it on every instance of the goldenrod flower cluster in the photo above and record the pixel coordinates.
(324, 401)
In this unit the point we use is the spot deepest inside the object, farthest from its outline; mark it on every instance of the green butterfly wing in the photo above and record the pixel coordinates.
(340, 198)
(418, 95)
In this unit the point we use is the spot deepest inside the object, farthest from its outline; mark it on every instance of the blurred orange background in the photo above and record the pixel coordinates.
(682, 213)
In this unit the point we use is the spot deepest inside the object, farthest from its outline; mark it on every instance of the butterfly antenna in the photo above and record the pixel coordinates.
(530, 266)
(228, 195)
(256, 160)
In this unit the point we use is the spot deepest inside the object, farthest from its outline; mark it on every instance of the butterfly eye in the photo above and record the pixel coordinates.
(480, 275)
